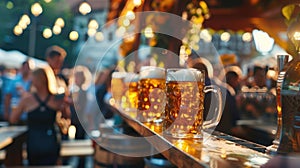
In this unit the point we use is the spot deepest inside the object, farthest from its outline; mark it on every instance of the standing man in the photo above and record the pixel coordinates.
(18, 86)
(55, 57)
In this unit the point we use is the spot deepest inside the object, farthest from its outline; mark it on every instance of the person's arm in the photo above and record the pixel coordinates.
(65, 108)
(7, 102)
(17, 112)
(7, 99)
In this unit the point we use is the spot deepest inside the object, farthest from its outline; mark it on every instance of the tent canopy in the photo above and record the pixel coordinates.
(14, 59)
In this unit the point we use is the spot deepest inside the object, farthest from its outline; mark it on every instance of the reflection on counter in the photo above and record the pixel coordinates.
(217, 150)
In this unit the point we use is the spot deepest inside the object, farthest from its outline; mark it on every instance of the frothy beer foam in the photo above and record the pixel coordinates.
(184, 75)
(118, 74)
(131, 77)
(153, 73)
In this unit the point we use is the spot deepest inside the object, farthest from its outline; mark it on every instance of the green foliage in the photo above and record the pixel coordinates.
(51, 11)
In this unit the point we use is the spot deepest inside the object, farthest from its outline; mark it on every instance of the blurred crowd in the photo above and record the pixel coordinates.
(50, 99)
(248, 95)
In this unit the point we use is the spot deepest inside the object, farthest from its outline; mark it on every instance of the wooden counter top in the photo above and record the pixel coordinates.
(11, 140)
(9, 133)
(217, 150)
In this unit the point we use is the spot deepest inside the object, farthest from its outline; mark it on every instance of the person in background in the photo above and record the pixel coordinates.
(41, 106)
(103, 92)
(18, 86)
(259, 77)
(8, 75)
(82, 80)
(2, 68)
(230, 114)
(55, 57)
(253, 106)
(233, 77)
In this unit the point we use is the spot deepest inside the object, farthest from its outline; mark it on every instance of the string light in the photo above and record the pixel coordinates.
(60, 22)
(73, 35)
(47, 33)
(36, 9)
(85, 8)
(18, 30)
(137, 3)
(56, 29)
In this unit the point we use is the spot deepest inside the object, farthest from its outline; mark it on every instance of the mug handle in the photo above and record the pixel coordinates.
(217, 112)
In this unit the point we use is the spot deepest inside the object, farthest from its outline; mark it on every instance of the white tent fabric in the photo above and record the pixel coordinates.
(14, 59)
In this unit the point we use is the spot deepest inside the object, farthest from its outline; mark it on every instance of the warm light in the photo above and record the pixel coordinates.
(25, 19)
(148, 32)
(205, 35)
(9, 5)
(60, 90)
(91, 32)
(137, 3)
(223, 153)
(73, 35)
(130, 15)
(112, 101)
(258, 160)
(60, 22)
(56, 29)
(18, 30)
(184, 15)
(247, 37)
(72, 132)
(296, 36)
(85, 8)
(263, 42)
(121, 31)
(36, 9)
(95, 133)
(22, 24)
(182, 55)
(47, 1)
(271, 74)
(47, 33)
(126, 22)
(129, 38)
(93, 24)
(99, 36)
(225, 36)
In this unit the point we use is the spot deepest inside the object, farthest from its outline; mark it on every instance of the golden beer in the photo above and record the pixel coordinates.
(151, 99)
(133, 94)
(130, 99)
(185, 89)
(130, 96)
(117, 86)
(184, 110)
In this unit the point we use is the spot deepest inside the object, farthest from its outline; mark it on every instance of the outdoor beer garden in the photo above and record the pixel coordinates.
(149, 83)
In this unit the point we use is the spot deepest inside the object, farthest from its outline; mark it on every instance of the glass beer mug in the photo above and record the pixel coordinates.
(151, 94)
(130, 100)
(185, 89)
(117, 87)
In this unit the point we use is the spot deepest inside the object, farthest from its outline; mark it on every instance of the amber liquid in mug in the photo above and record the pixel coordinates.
(151, 99)
(184, 110)
(133, 94)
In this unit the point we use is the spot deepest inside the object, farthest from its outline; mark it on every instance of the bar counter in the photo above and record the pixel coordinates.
(11, 140)
(216, 150)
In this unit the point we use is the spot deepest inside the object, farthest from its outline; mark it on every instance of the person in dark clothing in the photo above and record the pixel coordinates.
(82, 82)
(103, 86)
(41, 104)
(55, 57)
